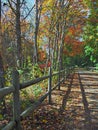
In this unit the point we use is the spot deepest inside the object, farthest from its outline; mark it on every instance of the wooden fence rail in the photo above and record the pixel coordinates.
(17, 86)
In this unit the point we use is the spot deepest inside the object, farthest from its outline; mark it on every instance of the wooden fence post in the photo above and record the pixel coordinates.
(64, 74)
(16, 100)
(59, 76)
(2, 101)
(67, 72)
(50, 84)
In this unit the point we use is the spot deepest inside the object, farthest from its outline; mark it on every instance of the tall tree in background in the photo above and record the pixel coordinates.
(91, 33)
(58, 17)
(1, 61)
(38, 8)
(64, 7)
(36, 31)
(2, 101)
(18, 31)
(15, 7)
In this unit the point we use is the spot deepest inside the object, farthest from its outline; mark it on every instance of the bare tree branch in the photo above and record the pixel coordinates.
(29, 12)
(14, 11)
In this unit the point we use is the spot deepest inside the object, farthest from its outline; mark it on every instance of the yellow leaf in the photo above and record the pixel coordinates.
(44, 121)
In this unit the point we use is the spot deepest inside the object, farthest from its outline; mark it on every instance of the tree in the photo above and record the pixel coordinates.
(17, 33)
(2, 101)
(91, 33)
(16, 12)
(57, 20)
(54, 22)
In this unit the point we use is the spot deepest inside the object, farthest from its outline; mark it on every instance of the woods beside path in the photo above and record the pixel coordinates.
(74, 106)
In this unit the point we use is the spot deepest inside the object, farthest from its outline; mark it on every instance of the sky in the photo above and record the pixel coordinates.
(30, 2)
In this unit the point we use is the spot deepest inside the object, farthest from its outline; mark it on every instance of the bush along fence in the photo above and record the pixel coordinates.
(17, 87)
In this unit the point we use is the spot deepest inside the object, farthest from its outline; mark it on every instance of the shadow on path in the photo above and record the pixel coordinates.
(89, 89)
(85, 103)
(65, 98)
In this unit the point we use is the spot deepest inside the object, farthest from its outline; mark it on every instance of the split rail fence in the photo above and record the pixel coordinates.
(17, 87)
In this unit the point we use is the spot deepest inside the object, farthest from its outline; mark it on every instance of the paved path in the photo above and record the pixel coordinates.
(89, 90)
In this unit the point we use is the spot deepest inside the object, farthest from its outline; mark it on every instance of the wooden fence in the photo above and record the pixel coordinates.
(17, 86)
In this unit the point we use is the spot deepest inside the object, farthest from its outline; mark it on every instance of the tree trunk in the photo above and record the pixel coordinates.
(2, 101)
(2, 80)
(18, 33)
(0, 29)
(63, 31)
(36, 33)
(1, 61)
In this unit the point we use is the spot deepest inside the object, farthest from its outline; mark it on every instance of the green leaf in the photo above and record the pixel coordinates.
(1, 116)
